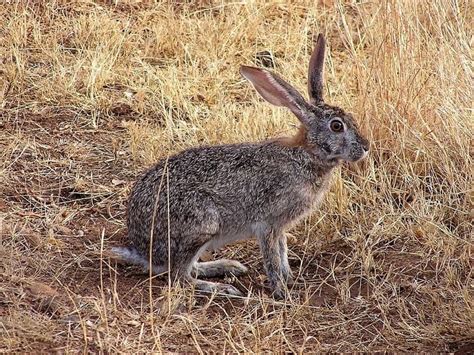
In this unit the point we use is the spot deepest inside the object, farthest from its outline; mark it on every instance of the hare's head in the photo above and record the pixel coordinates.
(330, 133)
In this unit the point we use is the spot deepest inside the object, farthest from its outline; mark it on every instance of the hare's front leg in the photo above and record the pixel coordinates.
(285, 266)
(270, 248)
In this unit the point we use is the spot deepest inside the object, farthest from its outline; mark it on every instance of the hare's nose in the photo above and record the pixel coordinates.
(366, 152)
(365, 145)
(365, 148)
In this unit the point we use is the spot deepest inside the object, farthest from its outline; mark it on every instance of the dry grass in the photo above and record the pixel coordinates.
(93, 92)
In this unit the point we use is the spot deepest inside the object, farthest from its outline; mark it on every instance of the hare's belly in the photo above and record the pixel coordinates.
(280, 216)
(230, 236)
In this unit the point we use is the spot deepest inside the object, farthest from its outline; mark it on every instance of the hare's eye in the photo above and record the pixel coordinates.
(337, 126)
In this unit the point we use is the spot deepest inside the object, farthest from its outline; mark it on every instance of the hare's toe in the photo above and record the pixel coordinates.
(211, 287)
(235, 268)
(228, 290)
(290, 279)
(279, 294)
(219, 268)
(280, 290)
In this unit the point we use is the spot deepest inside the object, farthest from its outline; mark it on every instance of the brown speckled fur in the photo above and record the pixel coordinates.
(217, 195)
(298, 140)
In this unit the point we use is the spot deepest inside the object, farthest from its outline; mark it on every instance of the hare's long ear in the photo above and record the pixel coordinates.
(277, 91)
(315, 71)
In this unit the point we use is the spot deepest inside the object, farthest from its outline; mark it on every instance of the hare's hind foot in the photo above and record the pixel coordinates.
(219, 268)
(211, 287)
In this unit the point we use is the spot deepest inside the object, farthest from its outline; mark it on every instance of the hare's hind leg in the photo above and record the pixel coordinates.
(211, 287)
(183, 270)
(219, 268)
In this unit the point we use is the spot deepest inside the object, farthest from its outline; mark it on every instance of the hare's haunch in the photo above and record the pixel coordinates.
(206, 197)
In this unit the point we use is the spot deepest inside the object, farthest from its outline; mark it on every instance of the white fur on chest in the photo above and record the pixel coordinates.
(316, 196)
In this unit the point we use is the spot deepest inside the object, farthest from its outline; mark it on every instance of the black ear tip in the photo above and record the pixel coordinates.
(320, 39)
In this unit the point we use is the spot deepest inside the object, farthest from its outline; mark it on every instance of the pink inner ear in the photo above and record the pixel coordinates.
(267, 95)
(277, 91)
(267, 86)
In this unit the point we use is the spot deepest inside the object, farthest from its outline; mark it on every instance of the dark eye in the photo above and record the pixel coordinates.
(337, 126)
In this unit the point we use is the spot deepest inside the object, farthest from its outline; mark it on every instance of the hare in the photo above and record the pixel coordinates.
(206, 197)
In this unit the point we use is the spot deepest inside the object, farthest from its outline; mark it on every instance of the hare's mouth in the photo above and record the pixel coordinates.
(326, 148)
(359, 158)
(365, 153)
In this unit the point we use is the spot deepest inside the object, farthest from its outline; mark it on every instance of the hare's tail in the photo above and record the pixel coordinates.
(130, 255)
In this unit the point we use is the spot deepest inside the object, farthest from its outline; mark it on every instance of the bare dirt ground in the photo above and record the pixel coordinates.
(94, 92)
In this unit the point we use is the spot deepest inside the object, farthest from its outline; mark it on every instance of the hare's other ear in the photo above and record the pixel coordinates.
(277, 91)
(315, 71)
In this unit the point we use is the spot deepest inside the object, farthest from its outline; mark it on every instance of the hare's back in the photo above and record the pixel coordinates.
(239, 173)
(235, 168)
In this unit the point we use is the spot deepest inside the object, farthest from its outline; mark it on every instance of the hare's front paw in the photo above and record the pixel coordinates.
(279, 293)
(290, 281)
